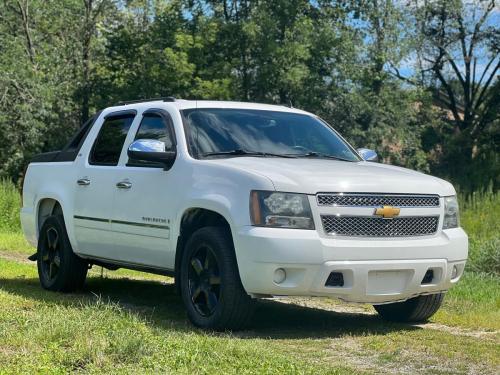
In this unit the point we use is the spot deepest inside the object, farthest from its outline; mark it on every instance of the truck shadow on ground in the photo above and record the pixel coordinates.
(159, 305)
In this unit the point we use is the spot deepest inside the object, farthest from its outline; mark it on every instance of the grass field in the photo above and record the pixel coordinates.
(131, 322)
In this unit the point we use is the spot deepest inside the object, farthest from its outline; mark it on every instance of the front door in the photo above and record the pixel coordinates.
(143, 203)
(95, 186)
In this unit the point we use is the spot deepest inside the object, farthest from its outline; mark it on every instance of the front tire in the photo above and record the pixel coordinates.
(59, 268)
(211, 288)
(417, 309)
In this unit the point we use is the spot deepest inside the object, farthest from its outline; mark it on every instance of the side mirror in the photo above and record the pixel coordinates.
(367, 154)
(151, 150)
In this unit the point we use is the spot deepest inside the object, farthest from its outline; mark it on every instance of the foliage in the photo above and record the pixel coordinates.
(459, 54)
(481, 219)
(10, 204)
(460, 49)
(370, 68)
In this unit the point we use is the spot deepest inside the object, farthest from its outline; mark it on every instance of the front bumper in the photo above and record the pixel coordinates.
(374, 270)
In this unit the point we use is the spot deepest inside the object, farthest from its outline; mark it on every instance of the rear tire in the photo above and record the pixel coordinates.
(417, 309)
(210, 286)
(59, 268)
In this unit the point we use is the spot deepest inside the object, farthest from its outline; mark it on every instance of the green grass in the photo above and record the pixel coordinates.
(15, 242)
(119, 325)
(473, 303)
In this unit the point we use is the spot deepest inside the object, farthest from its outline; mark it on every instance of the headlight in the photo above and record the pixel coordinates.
(451, 219)
(281, 210)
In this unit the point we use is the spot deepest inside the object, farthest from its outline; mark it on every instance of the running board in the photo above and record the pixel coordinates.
(115, 265)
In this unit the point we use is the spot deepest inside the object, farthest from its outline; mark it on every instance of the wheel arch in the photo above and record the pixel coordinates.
(46, 207)
(192, 219)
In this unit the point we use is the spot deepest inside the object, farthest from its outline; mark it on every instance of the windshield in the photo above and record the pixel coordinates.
(239, 132)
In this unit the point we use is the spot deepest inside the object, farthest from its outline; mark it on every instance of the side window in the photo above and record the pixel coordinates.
(153, 126)
(109, 143)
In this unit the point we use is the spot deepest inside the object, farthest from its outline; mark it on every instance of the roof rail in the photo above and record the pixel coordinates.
(164, 99)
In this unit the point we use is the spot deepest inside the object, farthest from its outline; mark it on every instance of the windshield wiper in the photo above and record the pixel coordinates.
(241, 152)
(319, 155)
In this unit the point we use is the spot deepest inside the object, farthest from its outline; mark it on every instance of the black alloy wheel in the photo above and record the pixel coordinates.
(50, 253)
(204, 280)
(210, 283)
(59, 268)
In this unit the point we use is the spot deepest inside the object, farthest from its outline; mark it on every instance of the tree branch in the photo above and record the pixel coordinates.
(473, 88)
(466, 81)
(481, 120)
(461, 28)
(25, 23)
(478, 25)
(453, 103)
(477, 85)
(455, 68)
(486, 86)
(486, 69)
(398, 75)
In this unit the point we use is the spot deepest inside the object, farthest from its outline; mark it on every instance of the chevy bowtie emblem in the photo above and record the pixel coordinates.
(387, 212)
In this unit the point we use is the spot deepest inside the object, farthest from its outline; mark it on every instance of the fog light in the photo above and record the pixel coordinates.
(454, 272)
(279, 275)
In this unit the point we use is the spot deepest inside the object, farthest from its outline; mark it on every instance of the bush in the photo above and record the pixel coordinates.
(10, 204)
(480, 218)
(484, 256)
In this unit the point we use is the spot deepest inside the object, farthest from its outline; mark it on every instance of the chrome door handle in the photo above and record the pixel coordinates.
(124, 185)
(83, 181)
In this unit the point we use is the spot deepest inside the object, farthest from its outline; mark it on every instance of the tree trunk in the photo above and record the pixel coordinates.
(87, 38)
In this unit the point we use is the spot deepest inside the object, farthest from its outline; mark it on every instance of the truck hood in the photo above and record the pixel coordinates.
(311, 176)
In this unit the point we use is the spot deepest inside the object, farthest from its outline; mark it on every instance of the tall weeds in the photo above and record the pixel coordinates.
(10, 204)
(480, 217)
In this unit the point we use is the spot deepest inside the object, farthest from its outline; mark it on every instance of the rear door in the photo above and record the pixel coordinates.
(143, 205)
(95, 186)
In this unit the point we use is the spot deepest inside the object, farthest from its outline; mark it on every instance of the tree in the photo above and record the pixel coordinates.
(459, 43)
(61, 60)
(459, 46)
(93, 11)
(41, 48)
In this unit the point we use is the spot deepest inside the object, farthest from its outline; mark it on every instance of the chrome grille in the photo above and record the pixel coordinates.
(378, 227)
(374, 200)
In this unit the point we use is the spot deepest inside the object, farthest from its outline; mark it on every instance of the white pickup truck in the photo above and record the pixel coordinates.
(240, 201)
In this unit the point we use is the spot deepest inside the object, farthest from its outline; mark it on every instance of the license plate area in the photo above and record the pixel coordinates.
(388, 282)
